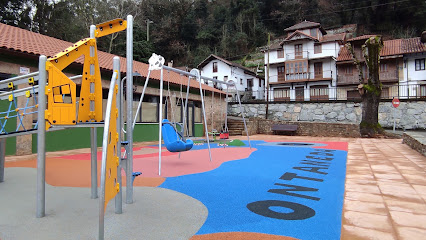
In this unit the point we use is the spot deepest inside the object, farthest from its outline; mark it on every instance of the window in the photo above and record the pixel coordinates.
(250, 83)
(241, 81)
(225, 78)
(282, 94)
(260, 82)
(348, 70)
(420, 64)
(319, 92)
(298, 50)
(149, 108)
(296, 70)
(215, 67)
(383, 67)
(317, 48)
(314, 32)
(318, 70)
(281, 76)
(280, 53)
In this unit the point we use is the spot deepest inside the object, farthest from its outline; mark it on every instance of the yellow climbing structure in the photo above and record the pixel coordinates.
(61, 91)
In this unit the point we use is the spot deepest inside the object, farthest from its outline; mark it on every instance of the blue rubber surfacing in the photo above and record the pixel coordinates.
(279, 190)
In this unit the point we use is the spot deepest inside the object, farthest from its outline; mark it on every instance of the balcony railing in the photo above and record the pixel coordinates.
(300, 76)
(354, 78)
(401, 91)
(294, 56)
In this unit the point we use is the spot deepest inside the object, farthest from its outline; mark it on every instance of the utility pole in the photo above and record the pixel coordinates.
(147, 28)
(267, 78)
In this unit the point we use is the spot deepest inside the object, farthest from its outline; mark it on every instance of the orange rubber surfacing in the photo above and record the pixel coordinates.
(72, 173)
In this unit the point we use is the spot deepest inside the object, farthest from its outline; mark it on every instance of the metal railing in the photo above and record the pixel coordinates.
(288, 76)
(354, 78)
(298, 55)
(339, 93)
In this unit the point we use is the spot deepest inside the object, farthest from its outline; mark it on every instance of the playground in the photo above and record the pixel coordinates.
(229, 197)
(179, 186)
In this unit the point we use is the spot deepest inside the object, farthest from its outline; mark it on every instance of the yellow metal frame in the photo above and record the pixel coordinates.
(62, 113)
(112, 186)
(110, 27)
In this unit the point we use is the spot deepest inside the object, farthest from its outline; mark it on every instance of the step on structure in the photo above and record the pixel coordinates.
(236, 127)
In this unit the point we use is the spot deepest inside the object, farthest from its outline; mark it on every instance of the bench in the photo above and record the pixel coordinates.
(290, 128)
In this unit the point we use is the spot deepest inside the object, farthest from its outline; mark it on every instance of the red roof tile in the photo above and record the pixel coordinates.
(344, 54)
(301, 33)
(302, 25)
(361, 38)
(25, 41)
(413, 45)
(390, 47)
(333, 37)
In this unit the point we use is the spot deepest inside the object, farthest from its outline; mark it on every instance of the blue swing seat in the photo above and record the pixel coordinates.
(173, 140)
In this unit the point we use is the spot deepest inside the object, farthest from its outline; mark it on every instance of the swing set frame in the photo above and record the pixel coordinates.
(194, 74)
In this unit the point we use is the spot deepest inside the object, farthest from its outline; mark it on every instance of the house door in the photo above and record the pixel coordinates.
(249, 84)
(318, 70)
(300, 96)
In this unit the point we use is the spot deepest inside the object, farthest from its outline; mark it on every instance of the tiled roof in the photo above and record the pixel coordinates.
(301, 33)
(24, 41)
(333, 37)
(344, 54)
(361, 38)
(276, 45)
(413, 45)
(390, 48)
(302, 25)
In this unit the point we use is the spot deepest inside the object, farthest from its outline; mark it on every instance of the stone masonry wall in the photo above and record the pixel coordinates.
(314, 129)
(409, 115)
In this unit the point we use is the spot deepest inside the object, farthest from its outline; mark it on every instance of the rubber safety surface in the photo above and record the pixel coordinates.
(285, 189)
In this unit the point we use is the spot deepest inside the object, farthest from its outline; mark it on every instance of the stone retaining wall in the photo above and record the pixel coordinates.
(409, 115)
(314, 129)
(415, 141)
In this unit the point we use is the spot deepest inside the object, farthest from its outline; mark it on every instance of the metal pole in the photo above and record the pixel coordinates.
(242, 114)
(212, 109)
(186, 108)
(41, 139)
(94, 163)
(267, 80)
(93, 138)
(104, 157)
(394, 121)
(226, 116)
(204, 115)
(140, 101)
(160, 119)
(119, 196)
(2, 158)
(129, 94)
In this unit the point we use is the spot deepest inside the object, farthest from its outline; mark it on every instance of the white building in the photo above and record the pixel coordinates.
(248, 83)
(302, 67)
(413, 81)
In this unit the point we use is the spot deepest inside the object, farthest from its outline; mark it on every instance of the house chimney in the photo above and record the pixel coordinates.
(170, 64)
(423, 37)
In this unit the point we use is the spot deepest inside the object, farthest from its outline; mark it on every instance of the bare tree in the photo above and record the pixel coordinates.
(371, 89)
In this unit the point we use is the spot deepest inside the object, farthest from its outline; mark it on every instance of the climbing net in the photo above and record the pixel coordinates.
(22, 105)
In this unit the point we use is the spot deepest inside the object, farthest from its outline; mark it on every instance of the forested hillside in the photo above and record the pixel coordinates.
(187, 31)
